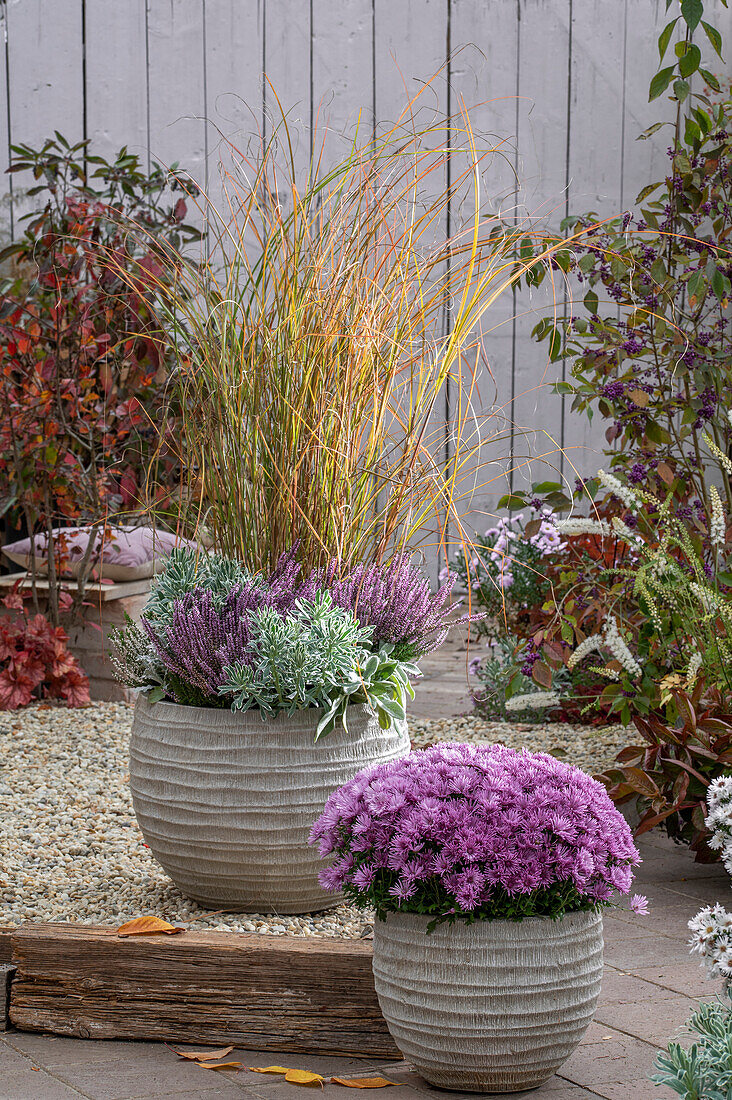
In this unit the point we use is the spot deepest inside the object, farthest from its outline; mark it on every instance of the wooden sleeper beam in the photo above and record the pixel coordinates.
(283, 993)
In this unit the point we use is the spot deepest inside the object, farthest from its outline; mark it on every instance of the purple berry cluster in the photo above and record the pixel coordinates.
(477, 831)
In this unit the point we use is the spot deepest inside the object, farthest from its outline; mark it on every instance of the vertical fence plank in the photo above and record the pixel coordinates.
(544, 45)
(288, 70)
(483, 79)
(116, 93)
(343, 73)
(177, 84)
(7, 221)
(45, 67)
(234, 43)
(642, 161)
(410, 46)
(594, 170)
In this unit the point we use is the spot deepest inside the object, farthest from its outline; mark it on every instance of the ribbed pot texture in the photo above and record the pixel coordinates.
(226, 801)
(496, 1006)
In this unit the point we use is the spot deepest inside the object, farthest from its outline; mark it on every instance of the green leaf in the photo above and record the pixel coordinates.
(392, 708)
(660, 82)
(681, 89)
(704, 120)
(647, 190)
(665, 37)
(714, 37)
(156, 694)
(692, 11)
(512, 500)
(692, 133)
(696, 285)
(591, 301)
(710, 79)
(555, 346)
(547, 487)
(690, 61)
(651, 130)
(720, 285)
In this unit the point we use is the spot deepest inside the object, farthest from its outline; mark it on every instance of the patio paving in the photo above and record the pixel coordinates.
(649, 990)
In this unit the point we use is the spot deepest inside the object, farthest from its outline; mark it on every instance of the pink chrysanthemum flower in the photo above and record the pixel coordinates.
(475, 829)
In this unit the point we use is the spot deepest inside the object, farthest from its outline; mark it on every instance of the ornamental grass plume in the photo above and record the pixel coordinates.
(476, 832)
(313, 354)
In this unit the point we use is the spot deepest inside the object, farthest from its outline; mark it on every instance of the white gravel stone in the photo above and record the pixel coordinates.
(70, 849)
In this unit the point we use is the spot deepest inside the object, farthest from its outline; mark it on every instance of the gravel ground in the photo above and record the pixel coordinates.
(70, 849)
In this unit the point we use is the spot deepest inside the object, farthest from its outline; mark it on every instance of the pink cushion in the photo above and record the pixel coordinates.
(119, 554)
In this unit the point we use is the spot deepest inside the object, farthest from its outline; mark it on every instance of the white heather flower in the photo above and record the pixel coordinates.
(692, 671)
(616, 487)
(581, 526)
(617, 646)
(589, 645)
(533, 700)
(718, 526)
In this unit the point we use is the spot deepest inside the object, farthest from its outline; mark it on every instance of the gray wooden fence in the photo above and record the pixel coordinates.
(565, 81)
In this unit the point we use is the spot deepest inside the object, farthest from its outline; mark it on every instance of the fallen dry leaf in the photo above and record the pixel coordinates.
(362, 1082)
(203, 1055)
(294, 1076)
(303, 1077)
(144, 926)
(219, 1065)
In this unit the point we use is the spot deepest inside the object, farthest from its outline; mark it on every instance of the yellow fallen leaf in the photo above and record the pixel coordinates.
(144, 926)
(203, 1055)
(294, 1076)
(219, 1065)
(362, 1082)
(303, 1077)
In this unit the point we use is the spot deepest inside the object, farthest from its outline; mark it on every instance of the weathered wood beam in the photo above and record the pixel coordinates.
(5, 948)
(284, 993)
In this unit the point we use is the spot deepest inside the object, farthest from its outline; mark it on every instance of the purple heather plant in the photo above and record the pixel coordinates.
(203, 640)
(396, 600)
(476, 832)
(199, 616)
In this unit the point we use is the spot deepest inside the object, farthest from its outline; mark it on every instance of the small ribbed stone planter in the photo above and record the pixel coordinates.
(226, 801)
(496, 1006)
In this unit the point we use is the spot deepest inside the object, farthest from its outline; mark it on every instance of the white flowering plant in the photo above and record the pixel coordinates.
(705, 1069)
(682, 589)
(711, 928)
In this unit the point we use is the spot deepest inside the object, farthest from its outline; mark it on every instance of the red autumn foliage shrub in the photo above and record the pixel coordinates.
(668, 774)
(35, 662)
(84, 409)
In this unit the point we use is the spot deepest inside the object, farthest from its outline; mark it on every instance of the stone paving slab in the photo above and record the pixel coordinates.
(650, 987)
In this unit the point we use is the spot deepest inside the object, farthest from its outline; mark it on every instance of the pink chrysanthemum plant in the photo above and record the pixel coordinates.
(479, 833)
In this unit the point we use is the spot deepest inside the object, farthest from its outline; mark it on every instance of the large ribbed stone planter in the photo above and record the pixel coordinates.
(226, 801)
(496, 1006)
